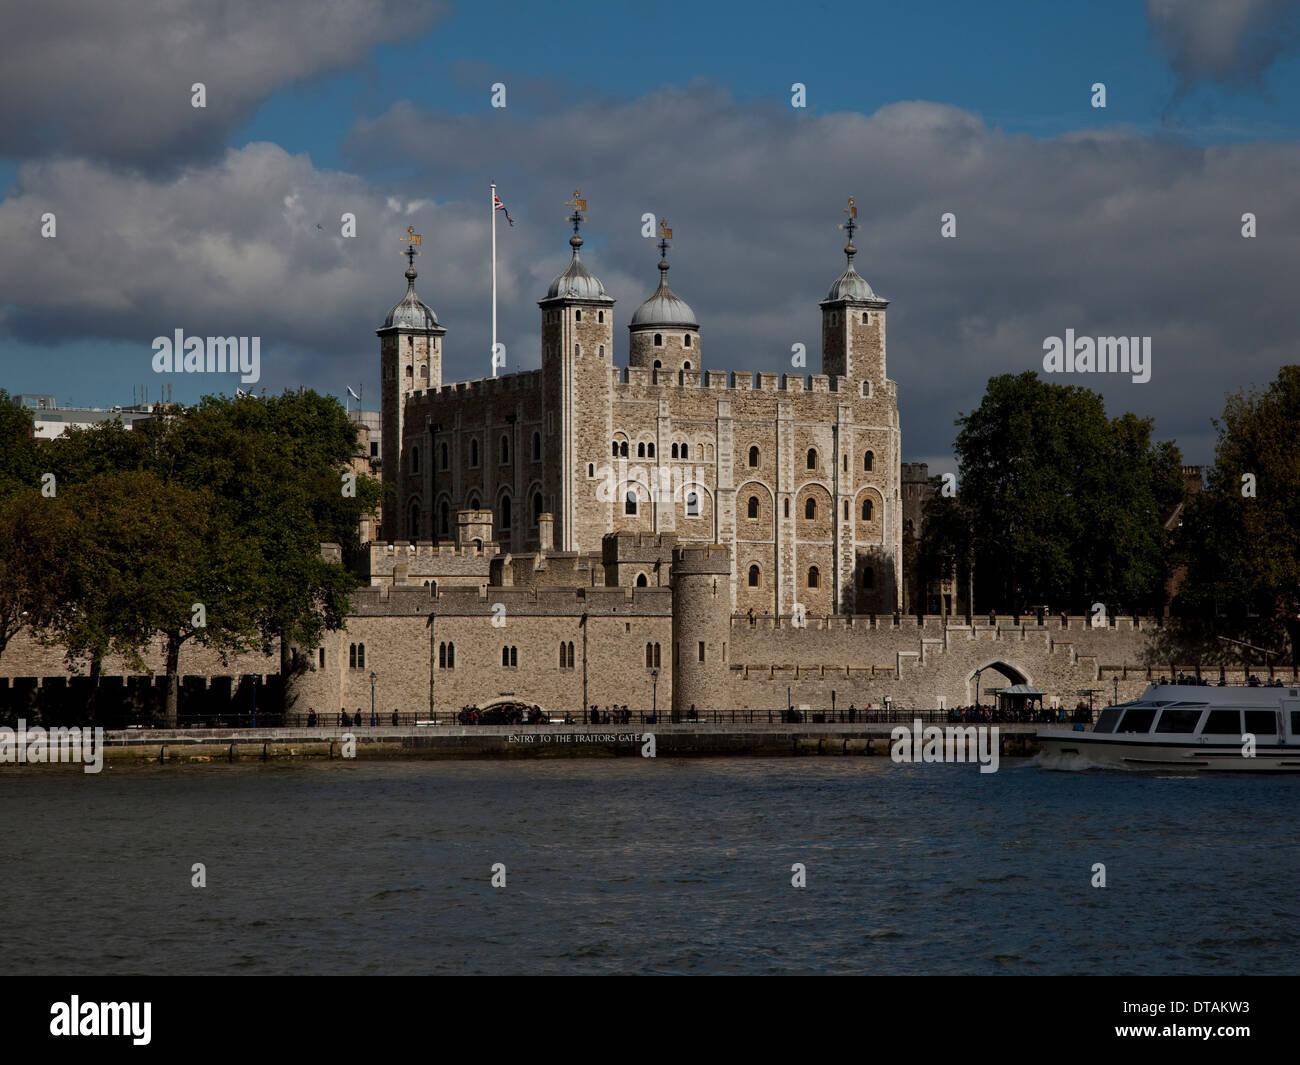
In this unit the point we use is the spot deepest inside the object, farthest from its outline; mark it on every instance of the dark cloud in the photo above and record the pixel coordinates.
(1229, 42)
(1106, 233)
(112, 81)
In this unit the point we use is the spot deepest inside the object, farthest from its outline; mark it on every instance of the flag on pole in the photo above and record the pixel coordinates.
(240, 394)
(496, 200)
(353, 394)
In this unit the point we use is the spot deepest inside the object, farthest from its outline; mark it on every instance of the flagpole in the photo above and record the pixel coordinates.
(494, 279)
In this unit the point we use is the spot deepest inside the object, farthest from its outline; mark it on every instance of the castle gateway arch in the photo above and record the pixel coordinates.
(995, 674)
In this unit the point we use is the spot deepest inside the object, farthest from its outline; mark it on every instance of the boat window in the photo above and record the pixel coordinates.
(1295, 722)
(1223, 723)
(1261, 722)
(1137, 719)
(1106, 720)
(1178, 720)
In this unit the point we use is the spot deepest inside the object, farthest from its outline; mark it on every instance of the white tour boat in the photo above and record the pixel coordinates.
(1187, 726)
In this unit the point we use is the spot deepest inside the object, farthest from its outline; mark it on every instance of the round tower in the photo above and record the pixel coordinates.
(701, 627)
(664, 333)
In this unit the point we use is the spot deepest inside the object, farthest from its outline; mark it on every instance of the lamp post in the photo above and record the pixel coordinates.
(654, 693)
(254, 700)
(1116, 679)
(372, 698)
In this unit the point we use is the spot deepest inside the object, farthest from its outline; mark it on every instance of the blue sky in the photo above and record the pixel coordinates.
(1122, 220)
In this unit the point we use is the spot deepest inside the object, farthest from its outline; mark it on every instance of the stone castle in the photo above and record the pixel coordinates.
(660, 535)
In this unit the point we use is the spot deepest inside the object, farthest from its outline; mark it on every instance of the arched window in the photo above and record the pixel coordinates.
(537, 507)
(591, 469)
(444, 519)
(810, 508)
(846, 462)
(640, 580)
(537, 447)
(674, 452)
(687, 343)
(415, 460)
(408, 372)
(686, 365)
(577, 316)
(415, 521)
(787, 508)
(686, 451)
(659, 340)
(649, 656)
(473, 502)
(602, 347)
(868, 578)
(752, 510)
(622, 449)
(657, 658)
(867, 459)
(866, 317)
(505, 512)
(812, 458)
(650, 450)
(577, 350)
(451, 656)
(361, 656)
(473, 452)
(600, 316)
(753, 576)
(814, 577)
(640, 450)
(564, 655)
(510, 657)
(846, 510)
(753, 456)
(692, 504)
(352, 656)
(443, 457)
(658, 365)
(866, 388)
(615, 449)
(629, 503)
(442, 656)
(571, 642)
(505, 450)
(866, 510)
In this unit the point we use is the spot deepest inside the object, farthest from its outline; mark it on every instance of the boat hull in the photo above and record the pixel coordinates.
(1066, 749)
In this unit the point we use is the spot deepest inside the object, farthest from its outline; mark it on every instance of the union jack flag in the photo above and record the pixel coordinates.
(502, 208)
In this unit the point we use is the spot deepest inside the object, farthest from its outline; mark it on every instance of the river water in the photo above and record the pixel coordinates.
(631, 865)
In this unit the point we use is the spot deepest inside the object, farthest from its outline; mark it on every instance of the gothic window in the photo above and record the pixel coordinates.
(451, 656)
(866, 510)
(753, 457)
(640, 580)
(443, 457)
(444, 519)
(687, 343)
(692, 504)
(814, 577)
(649, 656)
(570, 654)
(564, 655)
(537, 507)
(537, 447)
(868, 578)
(629, 504)
(505, 512)
(867, 460)
(810, 509)
(505, 450)
(659, 340)
(361, 656)
(812, 458)
(473, 452)
(753, 576)
(352, 656)
(473, 502)
(415, 460)
(753, 507)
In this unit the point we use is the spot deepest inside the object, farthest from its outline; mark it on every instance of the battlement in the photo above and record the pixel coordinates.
(526, 381)
(628, 377)
(915, 471)
(386, 601)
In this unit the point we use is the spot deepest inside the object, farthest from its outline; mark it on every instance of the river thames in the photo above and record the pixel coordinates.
(631, 865)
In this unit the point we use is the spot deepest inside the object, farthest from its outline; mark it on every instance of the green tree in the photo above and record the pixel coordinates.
(28, 531)
(1241, 537)
(1057, 503)
(19, 468)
